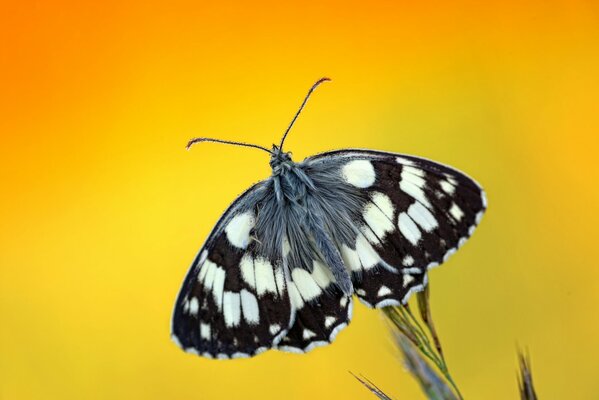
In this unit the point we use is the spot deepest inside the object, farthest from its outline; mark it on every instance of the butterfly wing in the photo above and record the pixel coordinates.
(234, 300)
(414, 214)
(321, 310)
(387, 217)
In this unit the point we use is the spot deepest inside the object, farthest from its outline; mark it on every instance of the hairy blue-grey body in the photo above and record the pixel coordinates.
(307, 208)
(312, 211)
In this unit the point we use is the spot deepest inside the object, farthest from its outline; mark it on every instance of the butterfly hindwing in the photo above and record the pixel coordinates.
(234, 301)
(414, 214)
(321, 309)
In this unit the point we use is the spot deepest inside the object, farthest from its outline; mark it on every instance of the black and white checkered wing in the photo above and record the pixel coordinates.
(321, 310)
(234, 301)
(414, 214)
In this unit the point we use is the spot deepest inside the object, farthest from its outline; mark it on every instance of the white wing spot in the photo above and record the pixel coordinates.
(194, 306)
(238, 229)
(379, 215)
(404, 161)
(408, 261)
(384, 291)
(383, 202)
(176, 340)
(449, 253)
(205, 267)
(414, 171)
(479, 216)
(456, 212)
(350, 258)
(218, 286)
(361, 292)
(422, 216)
(205, 331)
(359, 173)
(280, 280)
(408, 228)
(231, 309)
(328, 321)
(294, 296)
(447, 187)
(191, 350)
(413, 183)
(306, 286)
(407, 278)
(265, 278)
(203, 257)
(369, 234)
(249, 305)
(321, 274)
(307, 334)
(247, 270)
(416, 180)
(343, 302)
(286, 247)
(274, 329)
(210, 272)
(368, 257)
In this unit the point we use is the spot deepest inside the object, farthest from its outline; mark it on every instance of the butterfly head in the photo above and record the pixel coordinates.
(279, 159)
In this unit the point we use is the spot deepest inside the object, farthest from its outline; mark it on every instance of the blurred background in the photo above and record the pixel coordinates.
(102, 209)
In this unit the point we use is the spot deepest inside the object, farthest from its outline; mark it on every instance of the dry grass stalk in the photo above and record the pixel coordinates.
(372, 387)
(527, 390)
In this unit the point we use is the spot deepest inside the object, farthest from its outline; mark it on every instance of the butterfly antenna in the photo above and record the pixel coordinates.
(202, 139)
(318, 82)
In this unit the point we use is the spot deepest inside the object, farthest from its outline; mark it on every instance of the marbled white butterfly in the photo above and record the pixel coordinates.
(281, 265)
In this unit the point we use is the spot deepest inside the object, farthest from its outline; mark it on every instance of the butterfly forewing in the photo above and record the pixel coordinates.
(415, 214)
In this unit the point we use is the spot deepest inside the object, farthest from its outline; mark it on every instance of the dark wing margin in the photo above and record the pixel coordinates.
(234, 301)
(415, 214)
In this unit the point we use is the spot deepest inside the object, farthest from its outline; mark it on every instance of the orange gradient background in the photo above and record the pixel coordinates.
(102, 208)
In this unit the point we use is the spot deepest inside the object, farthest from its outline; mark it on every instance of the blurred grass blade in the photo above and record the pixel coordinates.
(527, 390)
(372, 387)
(431, 383)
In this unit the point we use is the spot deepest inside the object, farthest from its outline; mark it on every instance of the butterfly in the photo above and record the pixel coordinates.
(280, 268)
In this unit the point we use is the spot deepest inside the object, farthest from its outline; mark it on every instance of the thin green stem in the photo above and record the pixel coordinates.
(438, 361)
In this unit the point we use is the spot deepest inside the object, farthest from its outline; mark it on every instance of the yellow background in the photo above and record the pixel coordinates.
(102, 209)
